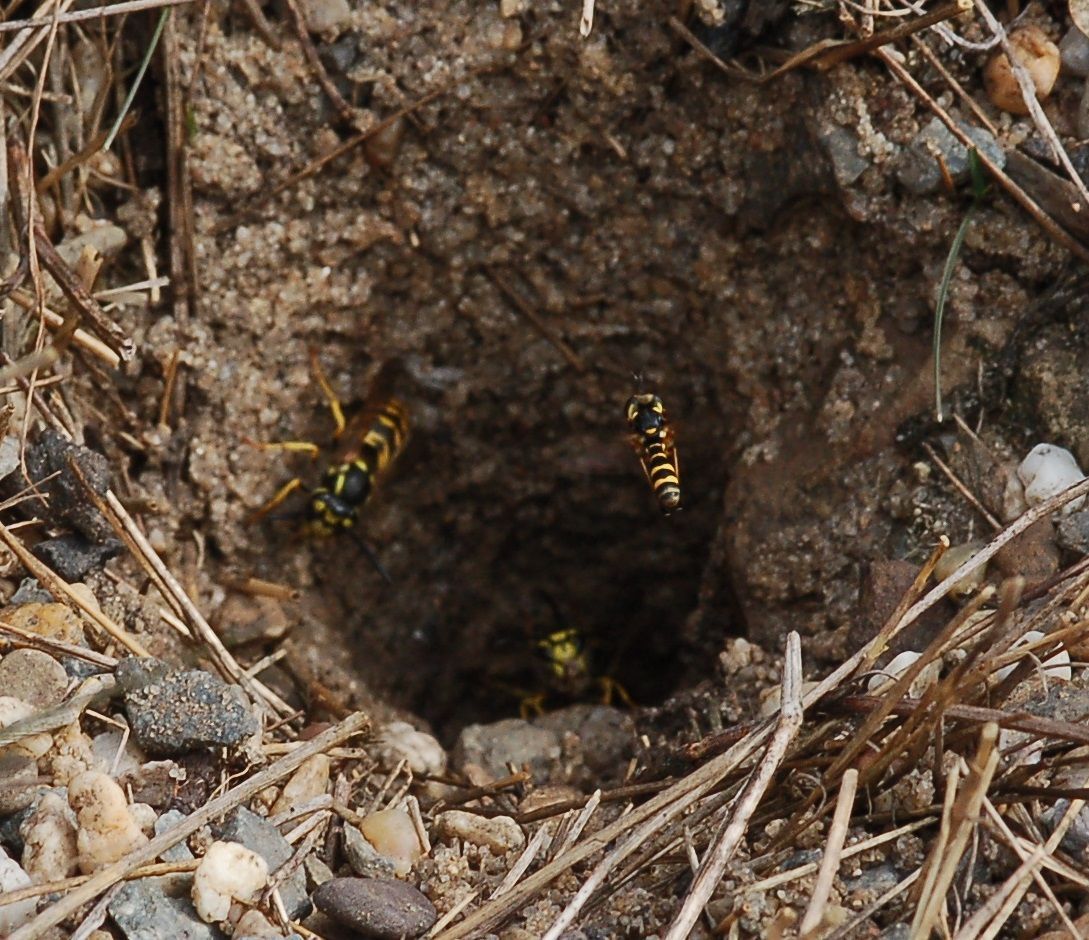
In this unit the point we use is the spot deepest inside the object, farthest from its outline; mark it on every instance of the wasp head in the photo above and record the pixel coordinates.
(646, 414)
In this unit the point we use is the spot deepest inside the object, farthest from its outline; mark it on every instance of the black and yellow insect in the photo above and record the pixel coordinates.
(652, 438)
(369, 444)
(570, 676)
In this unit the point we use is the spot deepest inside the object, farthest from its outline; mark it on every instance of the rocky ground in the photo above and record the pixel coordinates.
(525, 225)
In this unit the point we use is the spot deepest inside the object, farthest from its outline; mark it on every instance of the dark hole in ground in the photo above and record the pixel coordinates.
(564, 534)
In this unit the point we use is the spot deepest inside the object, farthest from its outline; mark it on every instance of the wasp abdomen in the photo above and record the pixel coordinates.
(663, 476)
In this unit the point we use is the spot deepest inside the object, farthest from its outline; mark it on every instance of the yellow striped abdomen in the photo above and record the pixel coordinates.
(663, 475)
(386, 436)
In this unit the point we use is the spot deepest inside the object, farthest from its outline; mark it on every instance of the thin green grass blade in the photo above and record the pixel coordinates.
(139, 78)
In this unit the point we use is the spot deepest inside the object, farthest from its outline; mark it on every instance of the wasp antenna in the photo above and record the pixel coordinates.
(372, 557)
(637, 377)
(292, 516)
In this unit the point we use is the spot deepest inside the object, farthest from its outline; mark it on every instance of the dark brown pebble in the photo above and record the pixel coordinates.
(377, 909)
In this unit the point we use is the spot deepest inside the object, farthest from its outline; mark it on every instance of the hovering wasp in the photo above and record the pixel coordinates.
(372, 440)
(652, 438)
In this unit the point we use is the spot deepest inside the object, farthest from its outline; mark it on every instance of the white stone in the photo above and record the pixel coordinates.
(400, 741)
(1055, 667)
(1047, 471)
(107, 829)
(500, 834)
(12, 877)
(49, 841)
(228, 872)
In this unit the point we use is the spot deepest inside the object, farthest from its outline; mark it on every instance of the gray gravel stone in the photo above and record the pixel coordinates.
(380, 910)
(143, 911)
(33, 676)
(1072, 532)
(176, 853)
(491, 747)
(260, 836)
(917, 167)
(19, 786)
(9, 456)
(363, 857)
(842, 147)
(47, 460)
(30, 592)
(1074, 49)
(73, 557)
(175, 711)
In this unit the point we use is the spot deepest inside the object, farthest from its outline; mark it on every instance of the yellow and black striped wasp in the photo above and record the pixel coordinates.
(570, 675)
(368, 445)
(652, 438)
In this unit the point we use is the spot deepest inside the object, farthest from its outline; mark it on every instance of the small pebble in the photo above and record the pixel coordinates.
(953, 558)
(265, 839)
(106, 828)
(378, 910)
(400, 741)
(309, 781)
(1074, 49)
(899, 665)
(327, 18)
(393, 836)
(33, 676)
(486, 750)
(1038, 54)
(182, 711)
(50, 852)
(118, 753)
(53, 621)
(32, 745)
(363, 858)
(1073, 532)
(47, 458)
(244, 619)
(103, 238)
(73, 557)
(1047, 471)
(254, 924)
(317, 872)
(12, 877)
(228, 872)
(499, 834)
(18, 779)
(142, 910)
(1054, 667)
(842, 147)
(9, 456)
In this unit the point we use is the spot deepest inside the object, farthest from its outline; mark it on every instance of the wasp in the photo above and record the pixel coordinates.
(570, 674)
(652, 438)
(369, 443)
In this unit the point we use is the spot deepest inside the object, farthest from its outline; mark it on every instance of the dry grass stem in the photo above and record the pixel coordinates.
(725, 844)
(957, 829)
(833, 854)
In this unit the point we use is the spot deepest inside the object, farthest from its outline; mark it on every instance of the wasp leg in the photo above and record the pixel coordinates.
(372, 556)
(532, 705)
(295, 447)
(331, 398)
(609, 688)
(281, 494)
